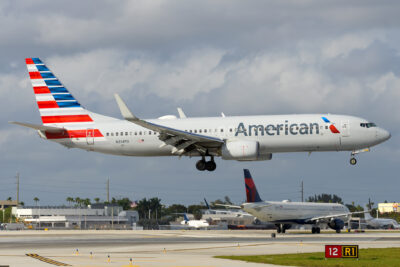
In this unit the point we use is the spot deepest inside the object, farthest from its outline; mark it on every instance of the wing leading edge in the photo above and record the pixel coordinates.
(182, 141)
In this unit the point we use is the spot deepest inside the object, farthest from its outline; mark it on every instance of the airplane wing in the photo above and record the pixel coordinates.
(43, 128)
(181, 140)
(229, 206)
(328, 217)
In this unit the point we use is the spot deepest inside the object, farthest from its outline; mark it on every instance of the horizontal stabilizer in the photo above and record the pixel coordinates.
(49, 129)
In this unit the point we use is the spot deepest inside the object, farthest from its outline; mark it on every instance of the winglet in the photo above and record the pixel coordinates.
(125, 112)
(181, 113)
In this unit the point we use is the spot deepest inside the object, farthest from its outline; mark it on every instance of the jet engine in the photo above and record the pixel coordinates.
(243, 151)
(336, 224)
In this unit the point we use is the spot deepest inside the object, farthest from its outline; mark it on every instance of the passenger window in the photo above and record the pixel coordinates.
(112, 134)
(122, 133)
(326, 127)
(149, 133)
(230, 129)
(190, 131)
(222, 130)
(140, 133)
(135, 133)
(107, 134)
(116, 134)
(205, 130)
(126, 133)
(200, 131)
(195, 131)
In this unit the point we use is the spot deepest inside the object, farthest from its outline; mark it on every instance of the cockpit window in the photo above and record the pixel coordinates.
(368, 125)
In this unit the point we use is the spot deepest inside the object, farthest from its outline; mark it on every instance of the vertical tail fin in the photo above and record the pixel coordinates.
(185, 217)
(367, 216)
(208, 206)
(251, 190)
(56, 105)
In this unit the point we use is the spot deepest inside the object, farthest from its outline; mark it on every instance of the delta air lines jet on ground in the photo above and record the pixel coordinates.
(286, 213)
(242, 138)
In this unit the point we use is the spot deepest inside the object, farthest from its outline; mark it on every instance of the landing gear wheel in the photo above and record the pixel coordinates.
(283, 230)
(201, 165)
(278, 230)
(338, 231)
(353, 161)
(318, 230)
(313, 230)
(210, 166)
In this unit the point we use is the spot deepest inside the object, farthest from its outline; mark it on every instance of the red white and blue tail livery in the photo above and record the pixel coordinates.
(242, 138)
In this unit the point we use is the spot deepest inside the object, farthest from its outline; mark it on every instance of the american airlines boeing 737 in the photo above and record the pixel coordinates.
(242, 138)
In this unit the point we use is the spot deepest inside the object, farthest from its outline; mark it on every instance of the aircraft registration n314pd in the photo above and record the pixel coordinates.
(242, 138)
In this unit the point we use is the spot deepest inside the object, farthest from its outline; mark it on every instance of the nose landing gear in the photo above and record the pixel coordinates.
(203, 165)
(353, 160)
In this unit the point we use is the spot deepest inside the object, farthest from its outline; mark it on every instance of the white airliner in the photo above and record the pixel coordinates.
(242, 138)
(194, 223)
(380, 223)
(284, 214)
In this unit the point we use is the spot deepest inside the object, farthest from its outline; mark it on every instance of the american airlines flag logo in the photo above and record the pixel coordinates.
(331, 126)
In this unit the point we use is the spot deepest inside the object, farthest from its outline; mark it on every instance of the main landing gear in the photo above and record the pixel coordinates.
(203, 165)
(315, 230)
(353, 161)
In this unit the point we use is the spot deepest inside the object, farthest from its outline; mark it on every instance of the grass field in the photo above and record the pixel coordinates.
(374, 257)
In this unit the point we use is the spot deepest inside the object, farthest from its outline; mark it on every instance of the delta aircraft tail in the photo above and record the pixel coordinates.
(58, 108)
(251, 190)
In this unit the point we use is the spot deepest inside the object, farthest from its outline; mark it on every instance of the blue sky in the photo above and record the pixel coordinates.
(239, 57)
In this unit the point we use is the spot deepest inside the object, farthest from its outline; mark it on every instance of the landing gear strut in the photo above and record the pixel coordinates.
(203, 165)
(281, 228)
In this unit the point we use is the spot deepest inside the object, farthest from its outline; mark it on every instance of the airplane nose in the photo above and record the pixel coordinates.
(383, 135)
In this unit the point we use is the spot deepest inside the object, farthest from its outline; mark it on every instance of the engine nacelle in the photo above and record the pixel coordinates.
(336, 224)
(243, 151)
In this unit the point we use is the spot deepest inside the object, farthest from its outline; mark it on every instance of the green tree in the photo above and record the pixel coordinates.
(325, 198)
(36, 199)
(70, 200)
(9, 198)
(6, 215)
(78, 201)
(97, 200)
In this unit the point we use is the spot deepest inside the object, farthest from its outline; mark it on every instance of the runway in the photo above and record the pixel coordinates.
(166, 248)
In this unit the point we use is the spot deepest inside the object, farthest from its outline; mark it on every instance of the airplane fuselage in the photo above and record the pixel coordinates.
(275, 134)
(292, 212)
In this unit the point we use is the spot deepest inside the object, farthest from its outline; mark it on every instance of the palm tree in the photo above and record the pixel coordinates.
(97, 199)
(78, 201)
(70, 200)
(86, 201)
(9, 198)
(36, 199)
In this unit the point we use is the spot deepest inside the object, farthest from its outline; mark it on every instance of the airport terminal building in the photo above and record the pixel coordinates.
(96, 216)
